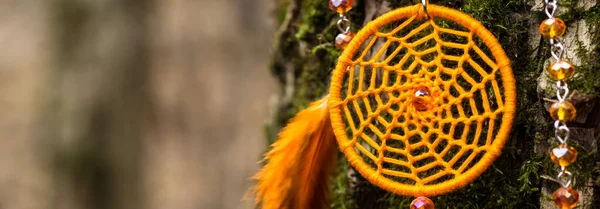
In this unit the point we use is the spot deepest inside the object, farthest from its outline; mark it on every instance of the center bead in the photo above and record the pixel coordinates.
(422, 99)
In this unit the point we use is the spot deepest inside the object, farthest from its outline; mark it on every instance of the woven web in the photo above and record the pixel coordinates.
(428, 147)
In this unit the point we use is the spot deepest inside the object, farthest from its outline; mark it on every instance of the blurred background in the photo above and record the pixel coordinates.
(133, 103)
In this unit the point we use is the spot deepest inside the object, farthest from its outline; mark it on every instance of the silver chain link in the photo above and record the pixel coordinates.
(562, 90)
(561, 131)
(425, 3)
(557, 49)
(551, 6)
(565, 173)
(343, 24)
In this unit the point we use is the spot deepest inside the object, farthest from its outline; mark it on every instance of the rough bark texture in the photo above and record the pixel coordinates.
(304, 56)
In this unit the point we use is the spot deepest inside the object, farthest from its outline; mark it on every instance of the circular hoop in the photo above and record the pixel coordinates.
(344, 105)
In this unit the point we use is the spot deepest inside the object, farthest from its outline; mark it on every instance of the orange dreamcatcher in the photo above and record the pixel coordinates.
(421, 103)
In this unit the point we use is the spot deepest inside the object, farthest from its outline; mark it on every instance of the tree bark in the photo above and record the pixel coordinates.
(155, 104)
(304, 56)
(102, 104)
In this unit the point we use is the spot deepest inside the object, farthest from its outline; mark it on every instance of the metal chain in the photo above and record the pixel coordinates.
(562, 90)
(557, 49)
(564, 173)
(425, 3)
(551, 6)
(561, 132)
(343, 24)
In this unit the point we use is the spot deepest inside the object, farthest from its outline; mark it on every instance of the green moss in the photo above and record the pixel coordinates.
(281, 11)
(514, 179)
(342, 195)
(588, 75)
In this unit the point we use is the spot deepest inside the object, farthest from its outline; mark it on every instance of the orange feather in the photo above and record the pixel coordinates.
(299, 163)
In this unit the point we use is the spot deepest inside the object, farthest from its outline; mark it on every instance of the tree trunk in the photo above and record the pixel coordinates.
(154, 104)
(102, 103)
(304, 57)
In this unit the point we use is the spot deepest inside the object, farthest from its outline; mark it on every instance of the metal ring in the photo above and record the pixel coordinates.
(563, 172)
(425, 2)
(558, 124)
(343, 21)
(563, 96)
(561, 127)
(562, 86)
(560, 47)
(551, 6)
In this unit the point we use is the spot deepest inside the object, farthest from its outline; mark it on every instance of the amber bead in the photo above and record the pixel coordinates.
(553, 27)
(563, 111)
(341, 6)
(422, 203)
(566, 198)
(422, 99)
(561, 70)
(563, 155)
(342, 40)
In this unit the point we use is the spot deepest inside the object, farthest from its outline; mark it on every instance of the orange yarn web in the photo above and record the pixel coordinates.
(468, 117)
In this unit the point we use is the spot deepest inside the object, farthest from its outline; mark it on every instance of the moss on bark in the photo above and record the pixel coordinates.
(515, 179)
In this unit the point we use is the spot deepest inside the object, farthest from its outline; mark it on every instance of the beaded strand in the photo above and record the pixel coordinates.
(561, 111)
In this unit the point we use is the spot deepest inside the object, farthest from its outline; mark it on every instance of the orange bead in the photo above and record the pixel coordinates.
(564, 111)
(561, 70)
(566, 198)
(422, 99)
(341, 6)
(552, 28)
(342, 40)
(563, 155)
(422, 203)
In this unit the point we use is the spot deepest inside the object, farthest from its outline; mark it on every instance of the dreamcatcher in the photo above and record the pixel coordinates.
(421, 103)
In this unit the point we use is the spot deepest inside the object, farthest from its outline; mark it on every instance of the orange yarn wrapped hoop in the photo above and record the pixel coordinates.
(420, 109)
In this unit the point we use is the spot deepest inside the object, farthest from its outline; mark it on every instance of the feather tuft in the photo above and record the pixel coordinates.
(299, 163)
